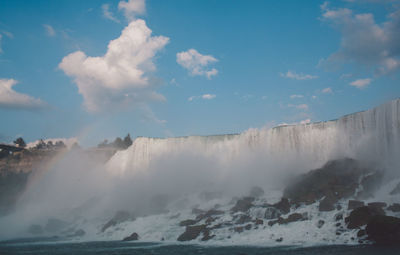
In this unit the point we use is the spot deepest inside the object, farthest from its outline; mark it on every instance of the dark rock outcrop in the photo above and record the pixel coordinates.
(209, 214)
(133, 237)
(243, 219)
(185, 223)
(327, 204)
(192, 232)
(119, 217)
(394, 207)
(272, 213)
(362, 216)
(291, 218)
(354, 204)
(337, 179)
(377, 205)
(283, 206)
(384, 229)
(243, 205)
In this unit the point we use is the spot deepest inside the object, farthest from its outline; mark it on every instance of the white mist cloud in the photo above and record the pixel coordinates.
(9, 98)
(296, 96)
(49, 30)
(299, 106)
(121, 76)
(108, 14)
(205, 97)
(327, 91)
(196, 63)
(298, 76)
(364, 41)
(361, 83)
(132, 8)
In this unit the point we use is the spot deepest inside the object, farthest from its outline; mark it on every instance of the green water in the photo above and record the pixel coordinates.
(46, 247)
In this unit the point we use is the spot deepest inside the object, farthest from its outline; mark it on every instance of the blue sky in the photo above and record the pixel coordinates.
(190, 67)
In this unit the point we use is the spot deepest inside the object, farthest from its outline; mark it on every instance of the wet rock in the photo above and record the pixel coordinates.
(291, 218)
(259, 222)
(361, 216)
(206, 235)
(35, 229)
(209, 220)
(361, 233)
(354, 204)
(396, 190)
(327, 204)
(243, 219)
(283, 206)
(272, 213)
(55, 225)
(119, 217)
(133, 237)
(256, 192)
(185, 223)
(339, 216)
(377, 205)
(337, 178)
(384, 229)
(280, 239)
(243, 205)
(247, 227)
(192, 232)
(394, 207)
(320, 223)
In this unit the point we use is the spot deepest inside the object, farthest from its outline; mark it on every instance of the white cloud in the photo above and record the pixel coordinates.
(327, 91)
(306, 121)
(1, 49)
(361, 83)
(296, 96)
(108, 14)
(314, 97)
(132, 8)
(196, 63)
(9, 98)
(364, 41)
(296, 76)
(205, 97)
(299, 106)
(120, 77)
(49, 30)
(208, 96)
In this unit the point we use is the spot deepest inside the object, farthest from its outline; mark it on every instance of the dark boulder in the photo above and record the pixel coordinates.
(361, 233)
(354, 204)
(243, 219)
(272, 213)
(394, 207)
(133, 237)
(338, 217)
(259, 222)
(208, 214)
(361, 216)
(337, 178)
(192, 232)
(320, 223)
(377, 204)
(283, 206)
(243, 205)
(185, 223)
(327, 204)
(384, 229)
(291, 218)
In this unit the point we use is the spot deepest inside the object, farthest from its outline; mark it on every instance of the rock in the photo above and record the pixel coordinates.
(361, 216)
(339, 216)
(247, 227)
(35, 229)
(396, 190)
(377, 204)
(361, 233)
(192, 232)
(256, 192)
(259, 222)
(337, 178)
(238, 229)
(208, 214)
(119, 217)
(243, 205)
(394, 207)
(291, 218)
(207, 236)
(384, 229)
(243, 219)
(209, 220)
(280, 239)
(354, 204)
(133, 237)
(327, 204)
(185, 223)
(320, 223)
(55, 225)
(271, 213)
(283, 206)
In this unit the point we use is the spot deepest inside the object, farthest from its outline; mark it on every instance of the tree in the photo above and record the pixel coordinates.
(127, 141)
(40, 145)
(103, 144)
(20, 142)
(118, 143)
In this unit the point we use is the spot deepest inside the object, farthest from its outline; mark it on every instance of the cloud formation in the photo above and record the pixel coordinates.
(364, 41)
(49, 30)
(196, 63)
(108, 14)
(327, 91)
(361, 83)
(205, 97)
(296, 96)
(297, 76)
(299, 106)
(11, 99)
(121, 76)
(132, 8)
